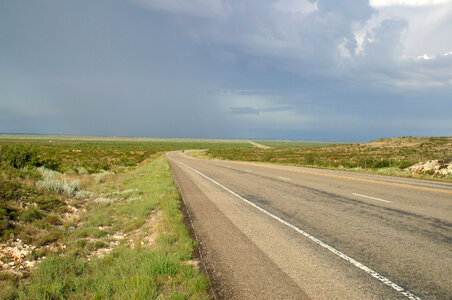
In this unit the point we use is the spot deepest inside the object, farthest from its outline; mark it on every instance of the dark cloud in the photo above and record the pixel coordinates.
(243, 110)
(256, 69)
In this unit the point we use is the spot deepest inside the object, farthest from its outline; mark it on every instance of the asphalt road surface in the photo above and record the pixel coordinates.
(282, 232)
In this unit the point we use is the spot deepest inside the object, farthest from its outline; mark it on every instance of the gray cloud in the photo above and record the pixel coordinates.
(214, 68)
(195, 8)
(243, 110)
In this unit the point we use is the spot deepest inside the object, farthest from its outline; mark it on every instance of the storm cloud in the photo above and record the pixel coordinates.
(282, 69)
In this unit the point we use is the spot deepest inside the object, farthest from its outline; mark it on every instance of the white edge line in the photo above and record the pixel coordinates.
(373, 198)
(371, 272)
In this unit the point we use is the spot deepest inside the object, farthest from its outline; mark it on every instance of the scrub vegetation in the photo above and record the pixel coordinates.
(389, 156)
(97, 219)
(100, 218)
(93, 155)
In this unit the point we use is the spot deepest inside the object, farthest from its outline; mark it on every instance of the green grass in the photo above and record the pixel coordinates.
(134, 181)
(92, 155)
(126, 273)
(124, 183)
(293, 144)
(385, 156)
(39, 175)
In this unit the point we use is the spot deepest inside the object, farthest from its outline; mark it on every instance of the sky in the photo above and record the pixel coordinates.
(350, 70)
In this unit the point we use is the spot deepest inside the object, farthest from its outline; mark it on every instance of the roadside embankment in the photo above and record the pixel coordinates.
(123, 237)
(417, 157)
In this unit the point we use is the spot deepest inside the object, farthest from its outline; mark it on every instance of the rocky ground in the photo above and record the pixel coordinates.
(14, 257)
(432, 167)
(19, 258)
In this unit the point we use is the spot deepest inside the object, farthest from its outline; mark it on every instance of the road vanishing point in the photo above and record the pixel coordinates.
(283, 232)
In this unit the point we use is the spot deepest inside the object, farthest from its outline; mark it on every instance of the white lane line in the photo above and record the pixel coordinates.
(373, 198)
(285, 178)
(369, 271)
(248, 170)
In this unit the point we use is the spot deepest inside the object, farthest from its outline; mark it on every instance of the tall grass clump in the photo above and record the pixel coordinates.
(82, 171)
(105, 201)
(56, 181)
(98, 176)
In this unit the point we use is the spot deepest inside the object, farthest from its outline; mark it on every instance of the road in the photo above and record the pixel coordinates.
(259, 145)
(283, 232)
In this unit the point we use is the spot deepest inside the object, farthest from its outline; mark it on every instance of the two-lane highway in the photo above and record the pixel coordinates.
(269, 231)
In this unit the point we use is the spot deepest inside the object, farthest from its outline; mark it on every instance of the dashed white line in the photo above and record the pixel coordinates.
(356, 263)
(373, 198)
(285, 178)
(248, 170)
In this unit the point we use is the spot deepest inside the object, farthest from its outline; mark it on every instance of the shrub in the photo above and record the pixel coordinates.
(20, 157)
(98, 176)
(7, 215)
(54, 181)
(48, 202)
(27, 157)
(403, 164)
(82, 170)
(30, 214)
(50, 163)
(309, 158)
(384, 163)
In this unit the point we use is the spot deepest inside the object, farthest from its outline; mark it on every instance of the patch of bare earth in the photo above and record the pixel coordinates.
(14, 257)
(20, 258)
(145, 236)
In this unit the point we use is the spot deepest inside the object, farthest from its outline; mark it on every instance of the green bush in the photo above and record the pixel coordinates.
(27, 157)
(309, 158)
(51, 164)
(384, 163)
(20, 157)
(48, 202)
(403, 164)
(7, 215)
(30, 214)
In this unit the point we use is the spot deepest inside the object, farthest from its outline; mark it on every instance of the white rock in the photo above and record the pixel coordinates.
(431, 166)
(30, 264)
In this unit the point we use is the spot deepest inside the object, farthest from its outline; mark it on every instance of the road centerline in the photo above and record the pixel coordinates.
(354, 262)
(402, 185)
(369, 197)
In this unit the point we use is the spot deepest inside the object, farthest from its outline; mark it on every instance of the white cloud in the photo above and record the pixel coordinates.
(428, 27)
(324, 38)
(425, 56)
(379, 3)
(414, 56)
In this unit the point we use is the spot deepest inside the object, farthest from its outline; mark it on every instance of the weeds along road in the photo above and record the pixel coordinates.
(284, 232)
